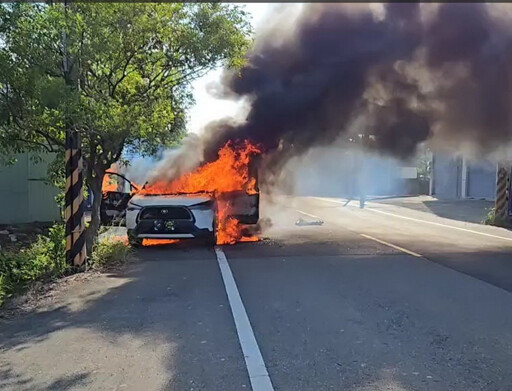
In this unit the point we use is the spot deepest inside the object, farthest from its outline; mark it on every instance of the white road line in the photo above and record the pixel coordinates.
(308, 214)
(258, 375)
(328, 200)
(392, 245)
(425, 221)
(441, 225)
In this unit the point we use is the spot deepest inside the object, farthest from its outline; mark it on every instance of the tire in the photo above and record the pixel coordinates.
(133, 240)
(213, 238)
(135, 243)
(211, 241)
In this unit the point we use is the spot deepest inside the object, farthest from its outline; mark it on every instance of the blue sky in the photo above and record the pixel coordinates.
(207, 108)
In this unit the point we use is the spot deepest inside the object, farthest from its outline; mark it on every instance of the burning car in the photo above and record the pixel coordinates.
(170, 217)
(192, 216)
(219, 202)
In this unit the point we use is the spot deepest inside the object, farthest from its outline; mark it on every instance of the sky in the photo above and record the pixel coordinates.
(208, 108)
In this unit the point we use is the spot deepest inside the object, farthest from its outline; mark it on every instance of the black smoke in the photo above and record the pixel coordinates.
(402, 74)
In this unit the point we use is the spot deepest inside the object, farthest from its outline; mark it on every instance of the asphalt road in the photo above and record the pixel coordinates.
(385, 298)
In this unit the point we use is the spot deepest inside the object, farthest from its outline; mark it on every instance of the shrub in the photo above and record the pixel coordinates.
(491, 216)
(43, 259)
(46, 258)
(3, 289)
(109, 253)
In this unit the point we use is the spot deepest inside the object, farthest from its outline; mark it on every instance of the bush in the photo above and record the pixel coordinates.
(3, 289)
(110, 253)
(491, 216)
(44, 259)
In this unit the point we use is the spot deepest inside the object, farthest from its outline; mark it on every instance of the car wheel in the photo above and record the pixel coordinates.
(211, 239)
(214, 233)
(134, 241)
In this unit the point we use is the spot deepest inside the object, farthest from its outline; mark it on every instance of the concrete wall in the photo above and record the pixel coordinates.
(24, 197)
(447, 176)
(458, 177)
(481, 180)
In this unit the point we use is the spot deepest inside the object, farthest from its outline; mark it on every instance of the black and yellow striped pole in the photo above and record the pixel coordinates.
(74, 208)
(74, 199)
(502, 203)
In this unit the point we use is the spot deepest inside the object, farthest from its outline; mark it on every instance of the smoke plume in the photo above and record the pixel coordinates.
(404, 73)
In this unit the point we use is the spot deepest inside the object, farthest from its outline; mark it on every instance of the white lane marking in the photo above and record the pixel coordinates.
(425, 221)
(392, 245)
(330, 200)
(308, 214)
(441, 225)
(258, 375)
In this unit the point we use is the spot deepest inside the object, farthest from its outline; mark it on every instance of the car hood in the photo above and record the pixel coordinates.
(142, 200)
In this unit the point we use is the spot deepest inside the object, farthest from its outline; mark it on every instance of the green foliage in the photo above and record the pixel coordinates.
(116, 73)
(56, 247)
(491, 216)
(110, 253)
(129, 68)
(44, 259)
(4, 289)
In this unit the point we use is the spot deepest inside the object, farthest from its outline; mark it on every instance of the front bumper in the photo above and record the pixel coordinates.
(171, 222)
(179, 230)
(199, 233)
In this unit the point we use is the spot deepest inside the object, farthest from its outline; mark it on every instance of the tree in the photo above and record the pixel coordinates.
(118, 74)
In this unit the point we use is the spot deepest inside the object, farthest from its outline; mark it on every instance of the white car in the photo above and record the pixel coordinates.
(170, 217)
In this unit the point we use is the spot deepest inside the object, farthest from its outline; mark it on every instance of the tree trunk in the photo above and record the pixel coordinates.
(94, 226)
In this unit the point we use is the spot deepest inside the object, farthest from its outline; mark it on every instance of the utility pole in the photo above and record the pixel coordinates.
(74, 198)
(503, 203)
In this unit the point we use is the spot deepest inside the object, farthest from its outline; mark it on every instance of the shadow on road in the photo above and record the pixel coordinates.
(9, 378)
(471, 211)
(162, 324)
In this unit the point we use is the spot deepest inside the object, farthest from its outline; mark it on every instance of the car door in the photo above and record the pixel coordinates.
(117, 190)
(242, 206)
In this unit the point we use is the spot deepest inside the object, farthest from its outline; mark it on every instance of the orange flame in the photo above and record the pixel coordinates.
(109, 183)
(230, 172)
(115, 183)
(158, 242)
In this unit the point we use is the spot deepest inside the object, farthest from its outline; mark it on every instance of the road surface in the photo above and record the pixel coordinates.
(385, 298)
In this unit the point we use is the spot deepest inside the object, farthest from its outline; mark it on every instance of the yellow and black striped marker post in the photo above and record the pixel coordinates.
(74, 212)
(502, 204)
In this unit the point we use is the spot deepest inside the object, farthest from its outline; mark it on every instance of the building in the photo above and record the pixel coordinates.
(457, 177)
(342, 172)
(24, 195)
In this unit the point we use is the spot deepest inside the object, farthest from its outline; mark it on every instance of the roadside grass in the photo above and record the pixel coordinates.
(491, 217)
(44, 260)
(110, 252)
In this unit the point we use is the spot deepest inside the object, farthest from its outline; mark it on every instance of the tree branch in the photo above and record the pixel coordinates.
(48, 149)
(49, 139)
(125, 67)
